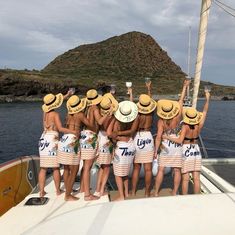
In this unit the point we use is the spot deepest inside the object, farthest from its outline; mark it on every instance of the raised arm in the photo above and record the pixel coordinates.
(183, 93)
(149, 88)
(178, 140)
(68, 94)
(130, 92)
(59, 126)
(205, 110)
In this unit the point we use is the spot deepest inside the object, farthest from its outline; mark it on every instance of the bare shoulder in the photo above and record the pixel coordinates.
(160, 122)
(54, 114)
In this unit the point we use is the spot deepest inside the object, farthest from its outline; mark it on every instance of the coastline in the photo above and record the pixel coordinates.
(22, 99)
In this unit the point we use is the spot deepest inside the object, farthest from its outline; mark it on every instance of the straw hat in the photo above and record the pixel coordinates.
(93, 98)
(167, 109)
(146, 104)
(107, 101)
(75, 104)
(127, 111)
(191, 116)
(52, 102)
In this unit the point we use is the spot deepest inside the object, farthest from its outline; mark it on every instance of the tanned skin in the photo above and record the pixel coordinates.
(191, 133)
(162, 125)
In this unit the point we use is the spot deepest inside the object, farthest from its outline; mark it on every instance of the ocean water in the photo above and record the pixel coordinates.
(21, 127)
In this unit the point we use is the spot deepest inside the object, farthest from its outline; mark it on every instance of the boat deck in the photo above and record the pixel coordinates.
(23, 218)
(225, 168)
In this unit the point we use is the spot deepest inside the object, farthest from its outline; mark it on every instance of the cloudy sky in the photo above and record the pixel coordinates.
(32, 33)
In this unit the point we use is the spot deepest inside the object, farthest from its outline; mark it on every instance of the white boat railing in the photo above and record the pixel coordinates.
(217, 181)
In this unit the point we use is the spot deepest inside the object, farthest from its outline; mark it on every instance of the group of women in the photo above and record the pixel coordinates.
(100, 129)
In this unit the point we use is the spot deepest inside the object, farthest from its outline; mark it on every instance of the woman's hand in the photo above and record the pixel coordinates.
(155, 156)
(164, 137)
(148, 85)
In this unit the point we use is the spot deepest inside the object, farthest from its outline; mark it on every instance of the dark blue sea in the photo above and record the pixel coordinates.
(21, 127)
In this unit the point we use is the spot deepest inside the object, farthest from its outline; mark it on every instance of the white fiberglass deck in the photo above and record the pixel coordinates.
(210, 213)
(23, 219)
(180, 215)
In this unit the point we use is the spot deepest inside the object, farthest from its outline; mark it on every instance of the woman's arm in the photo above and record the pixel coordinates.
(149, 88)
(183, 93)
(69, 93)
(110, 128)
(158, 137)
(178, 140)
(87, 122)
(205, 110)
(133, 129)
(98, 117)
(129, 91)
(60, 128)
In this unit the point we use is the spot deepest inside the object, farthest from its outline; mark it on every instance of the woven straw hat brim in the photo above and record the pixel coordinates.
(167, 115)
(126, 118)
(113, 101)
(95, 101)
(56, 104)
(78, 108)
(147, 109)
(192, 121)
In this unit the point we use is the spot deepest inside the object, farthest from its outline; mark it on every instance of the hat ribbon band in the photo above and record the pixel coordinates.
(124, 114)
(145, 105)
(167, 111)
(106, 108)
(72, 106)
(52, 101)
(109, 106)
(191, 117)
(93, 98)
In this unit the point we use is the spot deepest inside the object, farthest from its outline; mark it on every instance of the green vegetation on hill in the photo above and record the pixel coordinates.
(128, 57)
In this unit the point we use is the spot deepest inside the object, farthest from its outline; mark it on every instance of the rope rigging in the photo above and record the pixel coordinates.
(225, 7)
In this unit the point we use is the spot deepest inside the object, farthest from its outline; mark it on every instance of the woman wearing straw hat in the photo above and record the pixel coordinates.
(105, 149)
(125, 150)
(170, 153)
(88, 141)
(68, 147)
(193, 124)
(143, 141)
(49, 140)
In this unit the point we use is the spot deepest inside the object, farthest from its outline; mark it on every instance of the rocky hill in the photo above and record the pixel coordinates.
(128, 57)
(131, 55)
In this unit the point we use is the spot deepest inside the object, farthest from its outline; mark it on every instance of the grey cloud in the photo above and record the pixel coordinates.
(33, 33)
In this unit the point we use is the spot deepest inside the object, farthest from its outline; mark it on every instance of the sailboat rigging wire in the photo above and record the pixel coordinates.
(223, 8)
(233, 9)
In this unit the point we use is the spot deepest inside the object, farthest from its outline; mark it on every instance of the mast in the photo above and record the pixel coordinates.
(205, 9)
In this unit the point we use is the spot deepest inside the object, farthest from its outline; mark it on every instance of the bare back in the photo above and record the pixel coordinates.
(49, 123)
(191, 134)
(171, 126)
(91, 116)
(106, 123)
(145, 122)
(74, 121)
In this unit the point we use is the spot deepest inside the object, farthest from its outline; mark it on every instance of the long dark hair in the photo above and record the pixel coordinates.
(125, 126)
